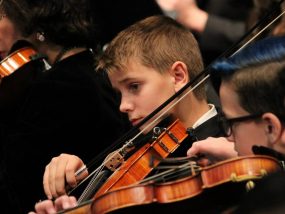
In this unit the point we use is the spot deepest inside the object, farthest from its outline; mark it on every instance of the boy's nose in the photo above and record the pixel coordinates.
(126, 106)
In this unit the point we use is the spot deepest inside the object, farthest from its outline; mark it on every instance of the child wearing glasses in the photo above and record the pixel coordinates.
(251, 98)
(252, 94)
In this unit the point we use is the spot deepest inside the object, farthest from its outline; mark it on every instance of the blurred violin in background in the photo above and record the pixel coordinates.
(17, 71)
(16, 60)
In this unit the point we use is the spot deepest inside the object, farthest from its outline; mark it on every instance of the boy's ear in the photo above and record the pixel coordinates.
(179, 72)
(273, 127)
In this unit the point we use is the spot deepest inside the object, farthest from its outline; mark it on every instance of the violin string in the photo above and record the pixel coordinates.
(178, 174)
(194, 158)
(154, 177)
(96, 171)
(157, 177)
(171, 174)
(166, 167)
(86, 191)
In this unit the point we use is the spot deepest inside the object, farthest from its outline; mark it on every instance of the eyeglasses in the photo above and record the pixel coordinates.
(227, 124)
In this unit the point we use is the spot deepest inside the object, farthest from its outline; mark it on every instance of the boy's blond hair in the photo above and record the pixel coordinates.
(157, 42)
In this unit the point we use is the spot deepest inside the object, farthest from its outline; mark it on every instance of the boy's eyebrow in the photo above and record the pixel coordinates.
(121, 82)
(125, 80)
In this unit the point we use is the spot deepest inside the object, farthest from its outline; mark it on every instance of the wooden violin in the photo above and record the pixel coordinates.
(145, 159)
(16, 60)
(243, 170)
(139, 164)
(17, 71)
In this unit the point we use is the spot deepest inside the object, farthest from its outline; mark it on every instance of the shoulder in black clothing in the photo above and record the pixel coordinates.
(68, 110)
(266, 197)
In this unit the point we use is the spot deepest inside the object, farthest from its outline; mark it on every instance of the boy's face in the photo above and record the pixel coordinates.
(142, 89)
(246, 133)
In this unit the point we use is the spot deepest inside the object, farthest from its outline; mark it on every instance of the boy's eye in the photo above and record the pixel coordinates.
(133, 87)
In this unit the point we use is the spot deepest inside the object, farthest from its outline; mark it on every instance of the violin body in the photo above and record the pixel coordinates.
(144, 195)
(16, 60)
(220, 185)
(239, 169)
(144, 160)
(17, 71)
(140, 163)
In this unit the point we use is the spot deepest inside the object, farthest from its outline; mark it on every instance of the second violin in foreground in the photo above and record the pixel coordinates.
(242, 172)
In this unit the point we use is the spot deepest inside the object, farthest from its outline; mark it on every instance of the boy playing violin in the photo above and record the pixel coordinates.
(148, 63)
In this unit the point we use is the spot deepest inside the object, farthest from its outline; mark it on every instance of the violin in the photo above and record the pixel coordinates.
(16, 60)
(242, 170)
(145, 159)
(17, 71)
(138, 165)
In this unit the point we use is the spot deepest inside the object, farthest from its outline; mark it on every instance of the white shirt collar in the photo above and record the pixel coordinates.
(209, 114)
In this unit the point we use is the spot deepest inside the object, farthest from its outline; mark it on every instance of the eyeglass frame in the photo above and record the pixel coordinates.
(227, 123)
